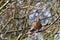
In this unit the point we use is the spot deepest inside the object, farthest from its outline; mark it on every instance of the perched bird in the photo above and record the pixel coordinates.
(36, 25)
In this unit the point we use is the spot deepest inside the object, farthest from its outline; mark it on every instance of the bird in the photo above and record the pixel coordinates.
(36, 25)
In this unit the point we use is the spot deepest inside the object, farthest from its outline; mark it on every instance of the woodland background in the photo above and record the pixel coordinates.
(16, 17)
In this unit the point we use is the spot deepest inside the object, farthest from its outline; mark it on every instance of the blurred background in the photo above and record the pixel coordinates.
(16, 17)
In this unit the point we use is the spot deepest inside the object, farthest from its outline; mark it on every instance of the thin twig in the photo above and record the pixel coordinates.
(6, 23)
(4, 4)
(23, 32)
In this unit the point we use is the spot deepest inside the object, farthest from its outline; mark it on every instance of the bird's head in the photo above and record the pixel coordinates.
(37, 19)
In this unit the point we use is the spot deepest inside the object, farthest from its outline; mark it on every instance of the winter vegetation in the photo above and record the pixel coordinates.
(17, 16)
